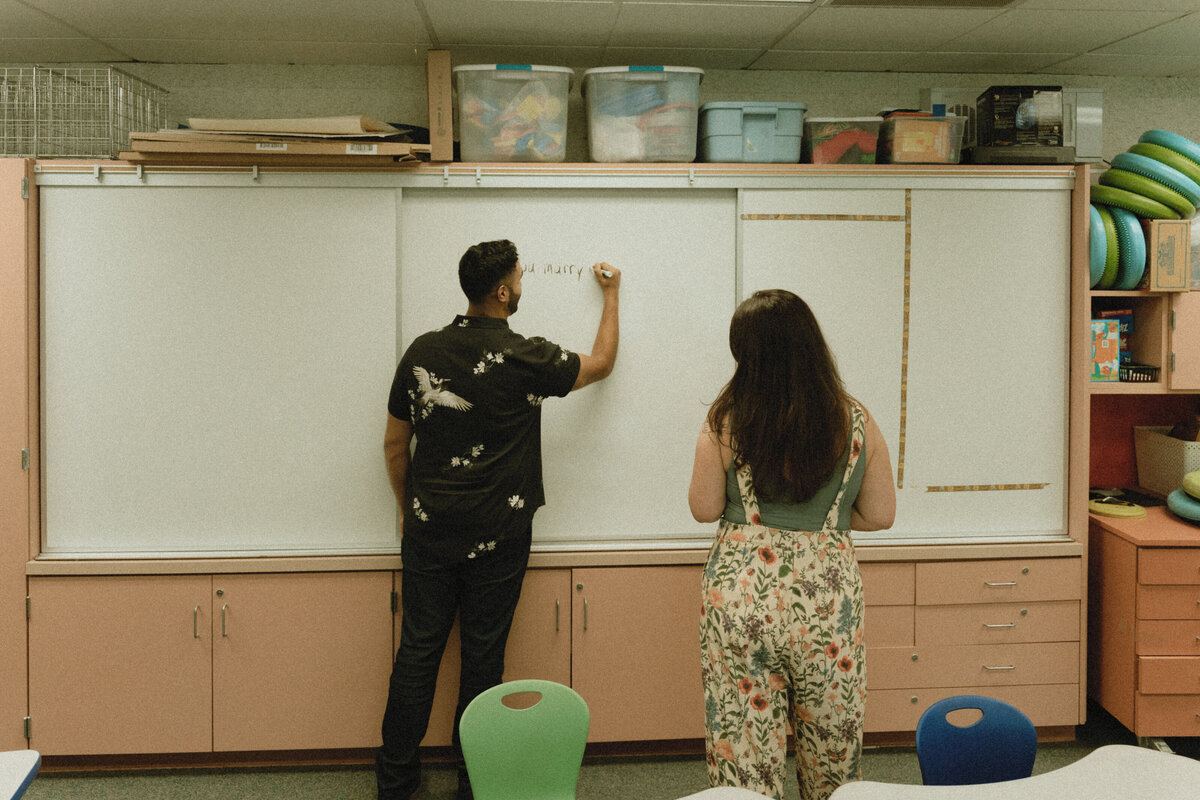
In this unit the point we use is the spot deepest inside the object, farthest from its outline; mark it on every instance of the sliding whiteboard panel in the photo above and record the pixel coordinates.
(986, 450)
(215, 366)
(951, 328)
(617, 454)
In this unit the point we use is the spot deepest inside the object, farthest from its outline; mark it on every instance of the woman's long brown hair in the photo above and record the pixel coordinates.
(785, 410)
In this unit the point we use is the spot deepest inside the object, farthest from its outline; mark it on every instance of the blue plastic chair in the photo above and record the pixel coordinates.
(1000, 746)
(532, 753)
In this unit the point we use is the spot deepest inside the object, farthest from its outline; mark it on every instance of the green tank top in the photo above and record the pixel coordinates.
(807, 516)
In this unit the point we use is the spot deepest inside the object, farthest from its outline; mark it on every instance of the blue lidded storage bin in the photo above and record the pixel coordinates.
(751, 132)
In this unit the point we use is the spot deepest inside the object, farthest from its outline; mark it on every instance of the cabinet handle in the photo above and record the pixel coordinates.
(223, 633)
(585, 613)
(556, 615)
(1005, 625)
(196, 622)
(998, 669)
(999, 583)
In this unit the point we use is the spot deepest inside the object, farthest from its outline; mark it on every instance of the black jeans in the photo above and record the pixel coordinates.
(483, 593)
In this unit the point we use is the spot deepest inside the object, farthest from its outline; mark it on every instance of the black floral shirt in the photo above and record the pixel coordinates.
(473, 392)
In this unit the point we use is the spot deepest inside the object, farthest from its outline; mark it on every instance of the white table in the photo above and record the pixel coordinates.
(726, 793)
(17, 770)
(1113, 771)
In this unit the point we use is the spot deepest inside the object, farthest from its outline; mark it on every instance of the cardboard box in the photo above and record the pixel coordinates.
(1124, 318)
(441, 105)
(1016, 115)
(1106, 350)
(840, 140)
(1168, 255)
(919, 139)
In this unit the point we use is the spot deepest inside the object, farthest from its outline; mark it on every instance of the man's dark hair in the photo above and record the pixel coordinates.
(484, 267)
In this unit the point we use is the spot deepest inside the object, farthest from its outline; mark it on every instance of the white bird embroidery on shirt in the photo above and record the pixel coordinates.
(432, 392)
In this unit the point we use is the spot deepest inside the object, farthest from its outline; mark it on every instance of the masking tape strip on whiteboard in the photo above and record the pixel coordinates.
(988, 487)
(904, 341)
(827, 217)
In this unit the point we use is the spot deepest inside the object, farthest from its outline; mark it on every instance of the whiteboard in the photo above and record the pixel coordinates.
(617, 454)
(215, 363)
(962, 359)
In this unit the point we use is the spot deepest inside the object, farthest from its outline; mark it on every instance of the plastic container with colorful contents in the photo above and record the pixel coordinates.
(512, 112)
(642, 113)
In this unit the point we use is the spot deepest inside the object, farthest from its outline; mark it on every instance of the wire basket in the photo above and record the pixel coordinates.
(73, 112)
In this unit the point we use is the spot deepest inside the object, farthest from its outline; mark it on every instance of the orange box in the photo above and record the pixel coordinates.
(1106, 350)
(920, 140)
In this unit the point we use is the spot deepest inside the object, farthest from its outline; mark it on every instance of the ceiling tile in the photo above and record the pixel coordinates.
(1029, 31)
(57, 51)
(702, 25)
(1179, 36)
(201, 51)
(577, 58)
(22, 22)
(1129, 65)
(521, 22)
(882, 29)
(831, 61)
(1111, 5)
(969, 63)
(711, 58)
(261, 20)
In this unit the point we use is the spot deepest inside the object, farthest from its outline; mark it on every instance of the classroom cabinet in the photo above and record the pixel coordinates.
(1164, 329)
(626, 638)
(1008, 628)
(1144, 625)
(198, 663)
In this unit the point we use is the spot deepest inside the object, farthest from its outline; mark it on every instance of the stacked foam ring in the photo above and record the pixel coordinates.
(1185, 501)
(1157, 178)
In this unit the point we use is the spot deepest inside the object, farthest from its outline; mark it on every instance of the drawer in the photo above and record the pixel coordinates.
(998, 623)
(889, 626)
(1169, 675)
(972, 665)
(1045, 704)
(1002, 581)
(1166, 715)
(1175, 565)
(1168, 602)
(888, 584)
(1168, 637)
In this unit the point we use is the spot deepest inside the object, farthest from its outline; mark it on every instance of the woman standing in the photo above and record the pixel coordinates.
(789, 463)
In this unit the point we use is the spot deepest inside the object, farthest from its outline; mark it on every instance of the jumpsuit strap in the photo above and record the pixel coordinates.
(857, 433)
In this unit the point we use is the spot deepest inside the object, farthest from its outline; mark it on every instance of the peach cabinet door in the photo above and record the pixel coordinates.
(636, 654)
(300, 661)
(1185, 333)
(539, 646)
(18, 238)
(120, 665)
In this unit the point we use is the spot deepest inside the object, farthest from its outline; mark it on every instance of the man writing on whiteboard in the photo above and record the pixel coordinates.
(471, 395)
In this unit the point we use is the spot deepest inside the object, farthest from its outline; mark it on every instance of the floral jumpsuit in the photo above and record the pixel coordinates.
(781, 640)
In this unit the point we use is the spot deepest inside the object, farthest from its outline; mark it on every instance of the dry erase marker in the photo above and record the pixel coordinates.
(606, 273)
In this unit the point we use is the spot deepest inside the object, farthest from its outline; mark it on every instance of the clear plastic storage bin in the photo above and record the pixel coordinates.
(751, 132)
(642, 113)
(512, 112)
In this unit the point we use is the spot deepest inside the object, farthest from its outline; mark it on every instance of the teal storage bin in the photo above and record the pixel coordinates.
(751, 132)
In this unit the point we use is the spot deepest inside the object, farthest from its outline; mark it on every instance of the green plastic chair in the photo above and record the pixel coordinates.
(532, 753)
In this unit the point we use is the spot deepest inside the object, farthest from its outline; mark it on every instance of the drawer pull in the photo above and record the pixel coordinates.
(999, 669)
(1005, 625)
(999, 583)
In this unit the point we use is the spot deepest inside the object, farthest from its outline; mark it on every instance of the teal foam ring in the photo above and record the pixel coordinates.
(1158, 171)
(1097, 247)
(1173, 141)
(1131, 249)
(1184, 505)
